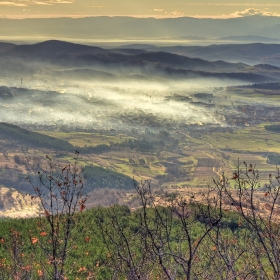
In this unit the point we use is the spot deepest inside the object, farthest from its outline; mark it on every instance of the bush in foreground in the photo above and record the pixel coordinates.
(228, 233)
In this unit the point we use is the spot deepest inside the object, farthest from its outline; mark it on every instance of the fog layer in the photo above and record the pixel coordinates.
(68, 86)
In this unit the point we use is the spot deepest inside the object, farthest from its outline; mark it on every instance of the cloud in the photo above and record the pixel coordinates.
(170, 14)
(236, 4)
(158, 10)
(98, 7)
(177, 13)
(254, 12)
(24, 3)
(6, 3)
(245, 13)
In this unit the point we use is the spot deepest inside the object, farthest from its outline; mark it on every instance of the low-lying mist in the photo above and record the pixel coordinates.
(80, 87)
(123, 104)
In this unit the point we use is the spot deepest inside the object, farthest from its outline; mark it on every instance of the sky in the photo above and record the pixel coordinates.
(137, 8)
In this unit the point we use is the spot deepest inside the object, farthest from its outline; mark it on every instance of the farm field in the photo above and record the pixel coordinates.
(199, 160)
(193, 163)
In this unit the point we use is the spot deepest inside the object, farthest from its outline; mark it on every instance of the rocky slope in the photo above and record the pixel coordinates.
(14, 204)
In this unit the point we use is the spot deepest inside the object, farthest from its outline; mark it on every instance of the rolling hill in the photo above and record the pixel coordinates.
(76, 61)
(5, 46)
(253, 53)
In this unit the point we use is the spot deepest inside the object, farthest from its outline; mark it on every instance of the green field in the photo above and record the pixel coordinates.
(201, 158)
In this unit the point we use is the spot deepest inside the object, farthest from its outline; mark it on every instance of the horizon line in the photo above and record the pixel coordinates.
(56, 16)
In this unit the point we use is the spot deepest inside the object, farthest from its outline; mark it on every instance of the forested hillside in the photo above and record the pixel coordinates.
(33, 138)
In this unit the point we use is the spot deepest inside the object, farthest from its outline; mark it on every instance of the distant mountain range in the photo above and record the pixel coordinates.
(253, 53)
(249, 38)
(68, 60)
(142, 28)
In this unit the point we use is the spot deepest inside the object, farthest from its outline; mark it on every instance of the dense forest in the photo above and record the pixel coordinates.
(273, 158)
(273, 128)
(98, 177)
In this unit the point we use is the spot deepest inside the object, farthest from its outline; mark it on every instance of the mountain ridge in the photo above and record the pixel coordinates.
(250, 53)
(130, 27)
(90, 62)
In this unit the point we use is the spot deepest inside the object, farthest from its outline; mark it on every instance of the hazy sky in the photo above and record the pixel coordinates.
(155, 8)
